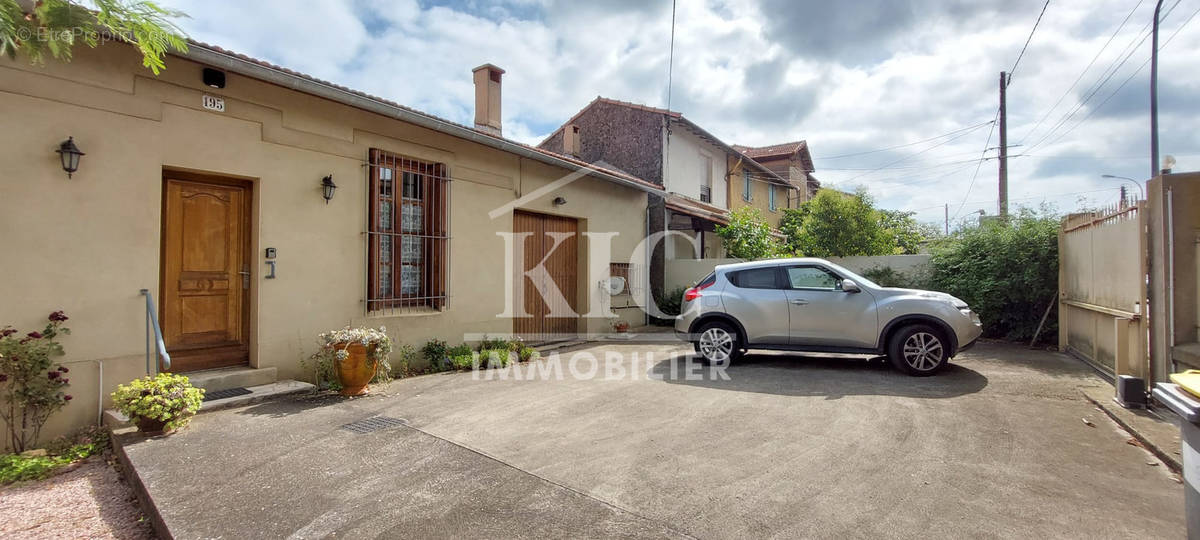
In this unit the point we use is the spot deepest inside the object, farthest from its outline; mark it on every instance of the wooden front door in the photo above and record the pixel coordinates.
(205, 273)
(548, 315)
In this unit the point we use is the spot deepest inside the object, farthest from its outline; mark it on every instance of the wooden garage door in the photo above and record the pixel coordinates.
(549, 295)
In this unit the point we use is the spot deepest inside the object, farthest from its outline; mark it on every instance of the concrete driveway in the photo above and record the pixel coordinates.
(790, 445)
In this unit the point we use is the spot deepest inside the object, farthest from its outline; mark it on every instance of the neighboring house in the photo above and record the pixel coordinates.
(694, 167)
(205, 186)
(792, 161)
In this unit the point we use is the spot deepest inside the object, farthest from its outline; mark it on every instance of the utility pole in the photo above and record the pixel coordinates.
(947, 219)
(1124, 197)
(1003, 148)
(1154, 165)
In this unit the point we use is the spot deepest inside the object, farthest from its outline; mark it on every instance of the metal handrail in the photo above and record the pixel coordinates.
(152, 324)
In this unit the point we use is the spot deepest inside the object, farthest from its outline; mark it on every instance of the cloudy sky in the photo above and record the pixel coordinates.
(849, 77)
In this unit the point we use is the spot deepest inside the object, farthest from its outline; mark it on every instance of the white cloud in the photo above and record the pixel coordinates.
(847, 78)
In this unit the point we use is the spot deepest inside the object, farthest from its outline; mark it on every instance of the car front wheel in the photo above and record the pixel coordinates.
(718, 343)
(919, 350)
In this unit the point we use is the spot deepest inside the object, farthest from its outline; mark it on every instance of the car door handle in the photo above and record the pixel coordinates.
(800, 302)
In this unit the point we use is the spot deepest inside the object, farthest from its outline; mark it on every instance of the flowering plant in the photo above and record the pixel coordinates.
(333, 349)
(167, 398)
(31, 384)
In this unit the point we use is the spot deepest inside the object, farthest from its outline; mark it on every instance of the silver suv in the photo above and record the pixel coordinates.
(815, 305)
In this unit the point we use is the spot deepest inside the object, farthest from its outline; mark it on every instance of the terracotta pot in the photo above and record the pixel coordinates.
(356, 371)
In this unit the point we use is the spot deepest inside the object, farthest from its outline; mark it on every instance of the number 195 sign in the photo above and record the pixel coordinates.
(213, 103)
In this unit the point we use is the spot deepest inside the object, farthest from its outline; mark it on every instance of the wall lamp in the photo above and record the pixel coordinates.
(327, 188)
(69, 154)
(559, 201)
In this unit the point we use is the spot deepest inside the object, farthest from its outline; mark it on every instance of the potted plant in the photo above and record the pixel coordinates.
(620, 326)
(358, 355)
(161, 404)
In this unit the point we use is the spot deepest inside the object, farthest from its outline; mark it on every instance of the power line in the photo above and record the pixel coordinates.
(1106, 76)
(1125, 82)
(1033, 198)
(905, 144)
(975, 176)
(1082, 73)
(1027, 40)
(910, 156)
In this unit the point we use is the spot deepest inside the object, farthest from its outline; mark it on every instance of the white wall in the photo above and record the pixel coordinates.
(686, 163)
(685, 272)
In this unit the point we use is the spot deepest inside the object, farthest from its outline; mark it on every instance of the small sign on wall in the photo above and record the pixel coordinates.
(213, 103)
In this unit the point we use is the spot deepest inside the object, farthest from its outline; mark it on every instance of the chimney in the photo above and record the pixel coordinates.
(487, 98)
(571, 140)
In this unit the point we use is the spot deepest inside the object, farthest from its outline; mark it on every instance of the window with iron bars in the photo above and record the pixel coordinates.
(706, 194)
(408, 248)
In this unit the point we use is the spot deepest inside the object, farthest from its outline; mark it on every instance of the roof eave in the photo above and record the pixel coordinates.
(200, 53)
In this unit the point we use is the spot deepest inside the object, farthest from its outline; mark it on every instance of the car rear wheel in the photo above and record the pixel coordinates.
(718, 343)
(919, 350)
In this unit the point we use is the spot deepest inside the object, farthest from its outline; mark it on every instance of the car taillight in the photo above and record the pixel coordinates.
(694, 292)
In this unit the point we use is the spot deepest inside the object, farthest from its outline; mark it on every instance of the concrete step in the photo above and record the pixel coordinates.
(225, 378)
(115, 420)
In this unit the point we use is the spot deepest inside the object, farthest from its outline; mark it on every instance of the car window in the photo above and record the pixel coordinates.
(755, 278)
(812, 277)
(708, 280)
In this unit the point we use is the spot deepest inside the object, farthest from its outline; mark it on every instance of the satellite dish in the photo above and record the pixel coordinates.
(614, 285)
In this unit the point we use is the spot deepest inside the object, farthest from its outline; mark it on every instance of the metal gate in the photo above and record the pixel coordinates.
(1102, 289)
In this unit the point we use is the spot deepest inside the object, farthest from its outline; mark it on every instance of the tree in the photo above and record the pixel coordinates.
(54, 26)
(907, 233)
(748, 236)
(836, 224)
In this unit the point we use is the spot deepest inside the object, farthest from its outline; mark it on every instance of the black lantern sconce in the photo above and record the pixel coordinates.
(559, 201)
(69, 154)
(327, 188)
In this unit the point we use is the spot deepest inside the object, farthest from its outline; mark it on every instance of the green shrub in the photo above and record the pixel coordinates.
(495, 358)
(492, 343)
(463, 361)
(459, 350)
(528, 353)
(435, 352)
(886, 276)
(32, 386)
(167, 398)
(1008, 273)
(748, 235)
(670, 303)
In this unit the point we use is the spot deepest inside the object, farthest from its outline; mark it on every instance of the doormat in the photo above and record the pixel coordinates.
(226, 393)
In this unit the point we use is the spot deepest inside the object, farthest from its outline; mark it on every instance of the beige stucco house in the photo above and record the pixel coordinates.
(206, 186)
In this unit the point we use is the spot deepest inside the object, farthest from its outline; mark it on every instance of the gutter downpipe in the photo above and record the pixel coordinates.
(1170, 288)
(201, 54)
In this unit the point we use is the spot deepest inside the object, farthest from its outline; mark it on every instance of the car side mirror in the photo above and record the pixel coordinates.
(850, 286)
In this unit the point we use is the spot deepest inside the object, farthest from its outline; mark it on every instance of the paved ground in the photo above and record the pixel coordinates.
(790, 445)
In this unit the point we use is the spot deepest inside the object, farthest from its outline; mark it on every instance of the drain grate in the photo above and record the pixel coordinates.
(226, 393)
(374, 423)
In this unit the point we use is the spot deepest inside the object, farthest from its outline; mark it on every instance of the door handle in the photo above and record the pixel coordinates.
(800, 302)
(245, 279)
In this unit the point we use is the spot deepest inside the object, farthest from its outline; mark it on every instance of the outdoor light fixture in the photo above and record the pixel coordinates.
(69, 154)
(213, 77)
(559, 201)
(1168, 164)
(327, 188)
